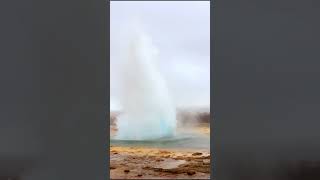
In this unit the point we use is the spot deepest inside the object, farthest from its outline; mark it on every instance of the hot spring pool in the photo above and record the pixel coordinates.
(180, 140)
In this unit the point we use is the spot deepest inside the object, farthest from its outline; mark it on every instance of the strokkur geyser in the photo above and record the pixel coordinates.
(148, 112)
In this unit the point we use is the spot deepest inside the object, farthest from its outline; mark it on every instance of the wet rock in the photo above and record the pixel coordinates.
(174, 171)
(196, 154)
(191, 172)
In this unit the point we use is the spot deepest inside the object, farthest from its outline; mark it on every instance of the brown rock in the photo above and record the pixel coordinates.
(164, 152)
(126, 170)
(158, 169)
(139, 175)
(112, 167)
(179, 158)
(191, 172)
(174, 171)
(196, 154)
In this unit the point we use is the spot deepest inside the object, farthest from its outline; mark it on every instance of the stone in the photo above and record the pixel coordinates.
(196, 154)
(190, 172)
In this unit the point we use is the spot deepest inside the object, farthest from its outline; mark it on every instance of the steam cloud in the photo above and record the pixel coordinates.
(148, 110)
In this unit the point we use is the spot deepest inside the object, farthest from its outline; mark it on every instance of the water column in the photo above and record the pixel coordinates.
(148, 112)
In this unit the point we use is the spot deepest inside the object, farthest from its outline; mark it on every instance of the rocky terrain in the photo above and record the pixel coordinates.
(154, 163)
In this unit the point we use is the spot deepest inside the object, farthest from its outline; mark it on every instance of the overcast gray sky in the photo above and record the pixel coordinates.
(181, 32)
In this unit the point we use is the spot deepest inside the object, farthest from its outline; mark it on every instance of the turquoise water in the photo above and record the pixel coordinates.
(181, 140)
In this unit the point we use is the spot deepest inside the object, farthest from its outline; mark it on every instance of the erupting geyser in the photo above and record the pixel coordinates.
(147, 109)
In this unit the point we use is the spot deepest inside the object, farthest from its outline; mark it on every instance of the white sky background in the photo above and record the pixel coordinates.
(181, 32)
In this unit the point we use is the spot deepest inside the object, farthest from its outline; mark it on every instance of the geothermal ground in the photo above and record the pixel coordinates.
(184, 160)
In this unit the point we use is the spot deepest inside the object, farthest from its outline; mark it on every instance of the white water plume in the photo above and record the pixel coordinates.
(148, 112)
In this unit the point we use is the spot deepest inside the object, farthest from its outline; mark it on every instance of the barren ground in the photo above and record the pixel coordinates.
(154, 163)
(160, 163)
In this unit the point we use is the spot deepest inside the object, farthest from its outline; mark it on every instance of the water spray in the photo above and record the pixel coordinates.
(148, 112)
